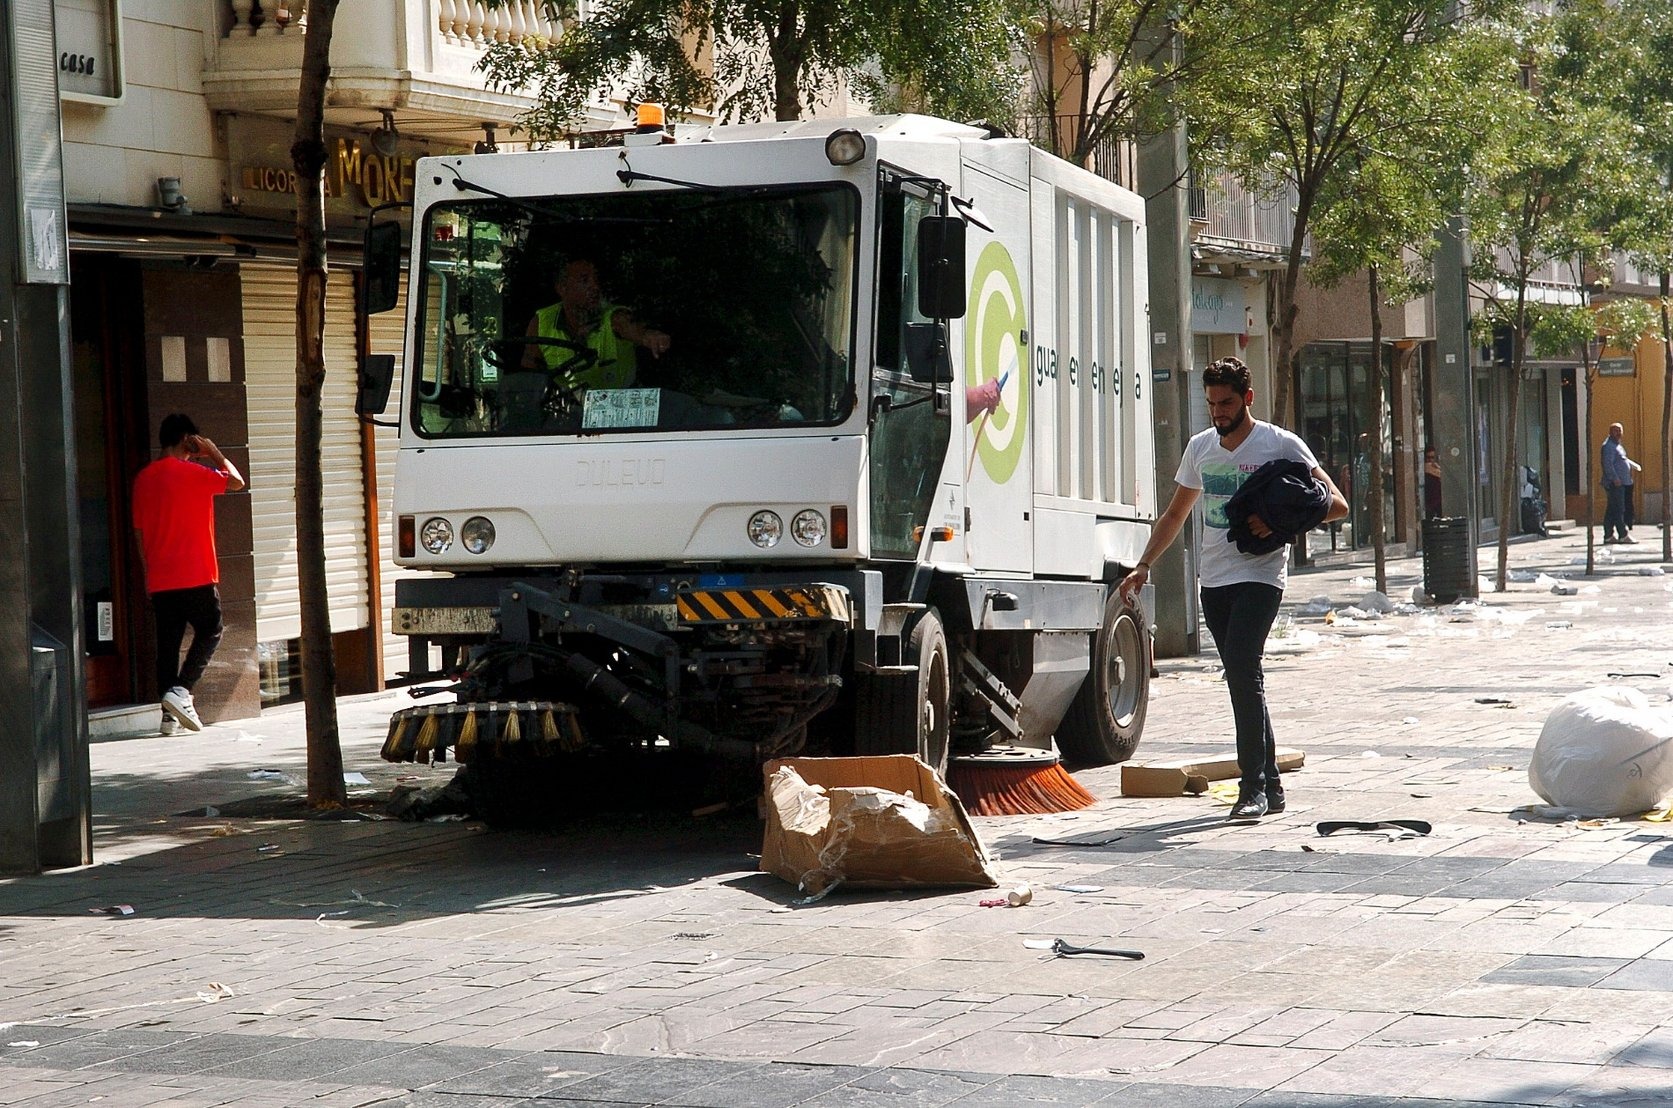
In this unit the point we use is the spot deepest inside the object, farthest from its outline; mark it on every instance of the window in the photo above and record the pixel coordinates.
(754, 291)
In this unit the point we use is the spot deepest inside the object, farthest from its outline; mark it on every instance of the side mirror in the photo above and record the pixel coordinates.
(927, 359)
(941, 267)
(381, 274)
(377, 372)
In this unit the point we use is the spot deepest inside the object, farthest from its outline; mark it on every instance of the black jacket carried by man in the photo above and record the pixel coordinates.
(1287, 497)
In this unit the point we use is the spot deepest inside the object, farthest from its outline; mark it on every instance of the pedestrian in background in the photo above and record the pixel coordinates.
(1617, 470)
(1240, 592)
(1431, 483)
(174, 517)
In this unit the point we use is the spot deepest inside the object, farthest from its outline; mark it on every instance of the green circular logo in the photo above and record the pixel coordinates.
(993, 351)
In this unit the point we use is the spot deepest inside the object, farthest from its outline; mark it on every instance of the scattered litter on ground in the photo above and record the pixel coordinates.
(1317, 606)
(417, 804)
(1410, 721)
(210, 811)
(1498, 701)
(1547, 813)
(1102, 840)
(269, 775)
(1013, 898)
(23, 1044)
(1361, 582)
(113, 910)
(1079, 888)
(1375, 601)
(1406, 827)
(214, 991)
(693, 936)
(1061, 949)
(1369, 754)
(355, 779)
(1650, 571)
(1558, 624)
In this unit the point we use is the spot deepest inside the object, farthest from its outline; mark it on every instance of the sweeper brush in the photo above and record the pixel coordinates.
(1015, 781)
(425, 733)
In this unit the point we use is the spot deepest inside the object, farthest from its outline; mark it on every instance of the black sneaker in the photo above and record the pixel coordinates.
(1249, 806)
(1274, 800)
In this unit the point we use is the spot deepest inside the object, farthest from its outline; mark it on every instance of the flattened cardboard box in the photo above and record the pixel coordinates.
(1179, 776)
(879, 823)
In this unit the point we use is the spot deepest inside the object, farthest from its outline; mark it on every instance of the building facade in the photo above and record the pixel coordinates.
(177, 120)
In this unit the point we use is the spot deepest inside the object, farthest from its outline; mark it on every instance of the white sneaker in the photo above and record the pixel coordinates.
(177, 702)
(168, 726)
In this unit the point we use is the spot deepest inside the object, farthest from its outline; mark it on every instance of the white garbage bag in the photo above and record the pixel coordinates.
(1605, 752)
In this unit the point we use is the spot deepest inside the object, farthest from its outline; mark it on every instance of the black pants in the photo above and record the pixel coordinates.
(1626, 510)
(1240, 617)
(200, 608)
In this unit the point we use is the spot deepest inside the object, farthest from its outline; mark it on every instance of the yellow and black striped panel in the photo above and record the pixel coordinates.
(785, 603)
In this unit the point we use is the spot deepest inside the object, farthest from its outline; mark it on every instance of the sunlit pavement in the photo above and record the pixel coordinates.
(640, 959)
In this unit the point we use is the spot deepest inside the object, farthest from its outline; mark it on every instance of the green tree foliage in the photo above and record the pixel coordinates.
(1642, 223)
(1550, 163)
(1359, 93)
(1102, 71)
(748, 59)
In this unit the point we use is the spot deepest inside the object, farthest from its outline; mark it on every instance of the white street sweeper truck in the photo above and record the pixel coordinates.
(817, 437)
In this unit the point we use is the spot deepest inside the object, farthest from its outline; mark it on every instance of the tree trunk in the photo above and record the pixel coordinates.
(1512, 479)
(1379, 522)
(319, 667)
(1666, 422)
(785, 51)
(1282, 326)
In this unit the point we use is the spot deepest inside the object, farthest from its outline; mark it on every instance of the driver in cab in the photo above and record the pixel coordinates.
(597, 339)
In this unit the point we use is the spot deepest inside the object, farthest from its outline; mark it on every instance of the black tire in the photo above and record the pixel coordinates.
(900, 714)
(1105, 721)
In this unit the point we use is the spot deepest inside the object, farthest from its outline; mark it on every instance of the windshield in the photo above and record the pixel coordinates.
(689, 310)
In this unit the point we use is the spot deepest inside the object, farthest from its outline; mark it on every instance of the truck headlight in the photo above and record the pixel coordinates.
(765, 529)
(808, 528)
(477, 535)
(436, 535)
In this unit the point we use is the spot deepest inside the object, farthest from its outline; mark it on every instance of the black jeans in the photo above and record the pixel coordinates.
(1616, 513)
(1240, 617)
(176, 609)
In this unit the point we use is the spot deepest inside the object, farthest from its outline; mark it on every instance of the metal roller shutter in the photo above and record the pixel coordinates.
(269, 295)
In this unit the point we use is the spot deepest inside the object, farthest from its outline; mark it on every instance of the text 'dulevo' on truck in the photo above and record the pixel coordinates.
(827, 437)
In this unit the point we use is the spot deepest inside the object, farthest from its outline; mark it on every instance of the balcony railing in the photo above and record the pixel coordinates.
(418, 58)
(1241, 220)
(1112, 157)
(457, 22)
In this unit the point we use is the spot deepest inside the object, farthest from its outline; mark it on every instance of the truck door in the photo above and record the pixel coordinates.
(910, 424)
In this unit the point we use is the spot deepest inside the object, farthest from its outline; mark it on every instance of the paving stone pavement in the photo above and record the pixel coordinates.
(638, 958)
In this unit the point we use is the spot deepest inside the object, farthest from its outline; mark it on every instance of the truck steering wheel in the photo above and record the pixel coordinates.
(561, 394)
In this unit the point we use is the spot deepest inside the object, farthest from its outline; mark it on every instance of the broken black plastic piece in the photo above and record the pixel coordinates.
(1331, 826)
(1065, 950)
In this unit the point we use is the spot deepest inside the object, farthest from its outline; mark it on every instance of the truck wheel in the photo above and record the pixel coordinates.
(1104, 722)
(900, 715)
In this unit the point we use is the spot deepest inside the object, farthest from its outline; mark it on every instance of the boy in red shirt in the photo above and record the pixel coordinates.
(174, 515)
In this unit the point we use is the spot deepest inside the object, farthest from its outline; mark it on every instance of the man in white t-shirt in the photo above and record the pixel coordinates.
(1240, 592)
